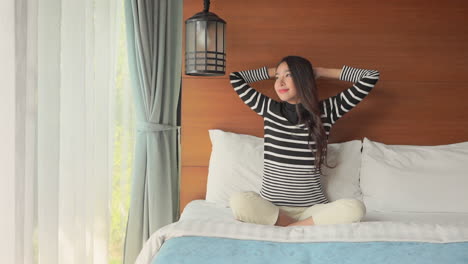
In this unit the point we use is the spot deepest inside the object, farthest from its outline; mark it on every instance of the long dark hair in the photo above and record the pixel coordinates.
(307, 95)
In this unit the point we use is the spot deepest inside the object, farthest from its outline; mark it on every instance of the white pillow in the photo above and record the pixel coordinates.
(405, 178)
(236, 164)
(343, 180)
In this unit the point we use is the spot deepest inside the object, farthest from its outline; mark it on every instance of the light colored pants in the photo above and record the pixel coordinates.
(250, 207)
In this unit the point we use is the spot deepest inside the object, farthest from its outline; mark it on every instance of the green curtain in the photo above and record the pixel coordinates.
(154, 33)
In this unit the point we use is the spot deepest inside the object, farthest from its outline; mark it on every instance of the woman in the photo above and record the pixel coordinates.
(295, 143)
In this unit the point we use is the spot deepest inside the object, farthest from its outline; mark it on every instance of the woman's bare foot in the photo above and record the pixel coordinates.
(306, 222)
(284, 219)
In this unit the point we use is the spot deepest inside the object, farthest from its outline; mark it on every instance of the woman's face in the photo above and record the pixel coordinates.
(284, 84)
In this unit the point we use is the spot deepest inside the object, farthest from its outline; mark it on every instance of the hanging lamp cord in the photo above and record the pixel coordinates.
(207, 5)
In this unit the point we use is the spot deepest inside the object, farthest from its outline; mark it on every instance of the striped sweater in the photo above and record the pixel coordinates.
(290, 177)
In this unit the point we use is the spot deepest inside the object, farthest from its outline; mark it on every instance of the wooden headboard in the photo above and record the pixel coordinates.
(419, 48)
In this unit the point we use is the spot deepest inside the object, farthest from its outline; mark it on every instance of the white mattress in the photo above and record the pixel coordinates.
(201, 209)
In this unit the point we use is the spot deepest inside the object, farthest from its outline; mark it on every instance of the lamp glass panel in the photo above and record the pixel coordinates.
(190, 37)
(201, 34)
(212, 35)
(221, 38)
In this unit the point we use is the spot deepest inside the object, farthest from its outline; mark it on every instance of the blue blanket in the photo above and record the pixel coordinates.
(206, 250)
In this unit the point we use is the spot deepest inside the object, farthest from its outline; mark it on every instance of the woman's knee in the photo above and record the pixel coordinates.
(354, 208)
(252, 208)
(340, 212)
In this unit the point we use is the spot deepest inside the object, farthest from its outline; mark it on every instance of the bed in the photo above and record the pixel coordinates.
(423, 223)
(419, 101)
(216, 238)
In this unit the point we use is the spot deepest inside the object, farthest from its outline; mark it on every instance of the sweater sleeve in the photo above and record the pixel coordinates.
(251, 97)
(337, 106)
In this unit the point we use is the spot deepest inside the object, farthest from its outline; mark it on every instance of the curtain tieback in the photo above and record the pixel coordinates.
(154, 127)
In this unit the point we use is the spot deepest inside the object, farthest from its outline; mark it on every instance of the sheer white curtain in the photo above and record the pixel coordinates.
(76, 79)
(18, 50)
(7, 132)
(59, 126)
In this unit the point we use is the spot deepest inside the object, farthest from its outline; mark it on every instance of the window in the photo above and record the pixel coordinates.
(124, 141)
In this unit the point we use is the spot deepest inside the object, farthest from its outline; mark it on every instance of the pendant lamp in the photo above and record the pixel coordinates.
(205, 45)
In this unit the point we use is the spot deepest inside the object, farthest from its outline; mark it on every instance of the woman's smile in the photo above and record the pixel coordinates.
(283, 90)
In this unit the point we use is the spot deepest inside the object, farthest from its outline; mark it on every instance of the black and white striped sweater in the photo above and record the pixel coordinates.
(289, 174)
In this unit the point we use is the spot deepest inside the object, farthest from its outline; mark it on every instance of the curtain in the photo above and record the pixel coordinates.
(59, 116)
(8, 117)
(18, 108)
(154, 33)
(75, 79)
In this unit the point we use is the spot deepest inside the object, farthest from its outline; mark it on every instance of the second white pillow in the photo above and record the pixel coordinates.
(406, 178)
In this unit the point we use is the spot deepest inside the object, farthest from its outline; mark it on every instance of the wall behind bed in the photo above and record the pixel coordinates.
(420, 48)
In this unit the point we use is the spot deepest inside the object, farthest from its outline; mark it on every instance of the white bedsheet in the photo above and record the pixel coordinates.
(201, 218)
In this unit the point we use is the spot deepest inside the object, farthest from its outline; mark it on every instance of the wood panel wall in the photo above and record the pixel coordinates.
(419, 46)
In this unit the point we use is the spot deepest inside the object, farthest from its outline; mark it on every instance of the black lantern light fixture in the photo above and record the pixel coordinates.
(205, 46)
